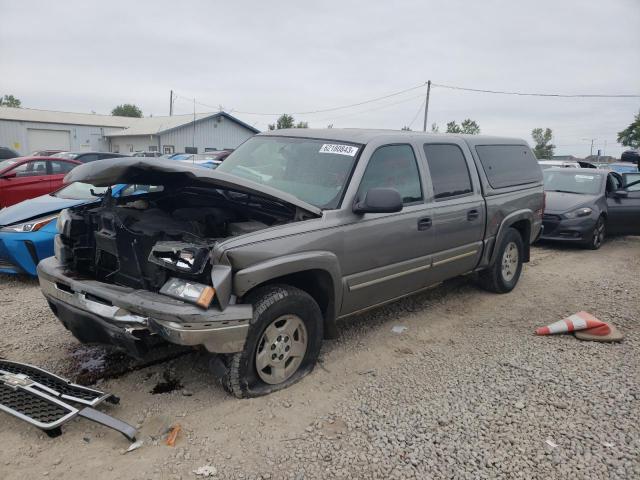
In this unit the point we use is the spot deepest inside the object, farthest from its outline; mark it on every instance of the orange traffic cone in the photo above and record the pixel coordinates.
(577, 321)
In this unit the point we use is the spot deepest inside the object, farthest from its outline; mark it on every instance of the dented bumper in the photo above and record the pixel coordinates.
(97, 312)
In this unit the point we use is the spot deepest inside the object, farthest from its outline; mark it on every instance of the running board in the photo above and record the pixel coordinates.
(48, 401)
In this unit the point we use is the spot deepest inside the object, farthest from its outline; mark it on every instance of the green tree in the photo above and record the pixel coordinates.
(467, 126)
(405, 129)
(470, 127)
(630, 136)
(10, 101)
(287, 121)
(542, 138)
(127, 110)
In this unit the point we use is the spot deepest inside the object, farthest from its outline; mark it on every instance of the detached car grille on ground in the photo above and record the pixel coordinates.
(40, 398)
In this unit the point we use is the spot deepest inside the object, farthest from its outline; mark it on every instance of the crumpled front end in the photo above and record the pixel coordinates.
(135, 320)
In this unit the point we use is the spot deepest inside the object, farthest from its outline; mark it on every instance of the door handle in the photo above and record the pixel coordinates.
(424, 223)
(473, 214)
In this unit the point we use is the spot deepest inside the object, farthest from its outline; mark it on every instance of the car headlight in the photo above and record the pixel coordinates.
(30, 226)
(580, 212)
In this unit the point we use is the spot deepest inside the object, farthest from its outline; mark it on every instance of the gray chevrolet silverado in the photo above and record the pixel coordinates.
(256, 261)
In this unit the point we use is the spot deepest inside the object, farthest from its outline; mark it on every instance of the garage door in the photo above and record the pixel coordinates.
(40, 139)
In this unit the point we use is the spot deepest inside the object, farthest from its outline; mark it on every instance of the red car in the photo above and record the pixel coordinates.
(28, 177)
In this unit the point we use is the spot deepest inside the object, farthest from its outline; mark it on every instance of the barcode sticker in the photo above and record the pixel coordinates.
(339, 149)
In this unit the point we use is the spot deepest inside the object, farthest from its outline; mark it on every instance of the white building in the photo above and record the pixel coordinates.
(26, 130)
(204, 131)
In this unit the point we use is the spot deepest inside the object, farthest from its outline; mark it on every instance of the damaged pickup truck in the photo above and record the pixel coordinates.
(256, 260)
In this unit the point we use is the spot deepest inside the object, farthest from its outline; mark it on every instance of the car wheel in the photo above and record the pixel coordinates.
(597, 236)
(503, 275)
(282, 346)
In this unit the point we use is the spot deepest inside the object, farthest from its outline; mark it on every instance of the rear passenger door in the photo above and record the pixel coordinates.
(458, 209)
(59, 168)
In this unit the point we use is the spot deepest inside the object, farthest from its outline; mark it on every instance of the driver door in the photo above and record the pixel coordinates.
(388, 255)
(623, 212)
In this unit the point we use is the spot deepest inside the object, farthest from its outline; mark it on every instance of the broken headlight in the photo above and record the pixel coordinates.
(192, 292)
(180, 256)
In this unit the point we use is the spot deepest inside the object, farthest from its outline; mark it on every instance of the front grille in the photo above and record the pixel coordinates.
(61, 386)
(6, 264)
(32, 406)
(550, 223)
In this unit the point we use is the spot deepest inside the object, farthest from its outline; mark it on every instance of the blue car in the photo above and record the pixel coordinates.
(27, 229)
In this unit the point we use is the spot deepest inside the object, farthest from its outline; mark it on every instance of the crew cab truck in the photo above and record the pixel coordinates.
(256, 261)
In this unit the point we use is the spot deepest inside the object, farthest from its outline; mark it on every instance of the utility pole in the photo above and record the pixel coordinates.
(194, 124)
(426, 107)
(591, 153)
(170, 103)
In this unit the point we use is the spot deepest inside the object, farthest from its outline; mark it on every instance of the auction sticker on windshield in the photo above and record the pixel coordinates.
(339, 149)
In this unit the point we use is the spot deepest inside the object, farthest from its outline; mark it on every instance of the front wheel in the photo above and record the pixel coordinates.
(503, 275)
(282, 346)
(597, 236)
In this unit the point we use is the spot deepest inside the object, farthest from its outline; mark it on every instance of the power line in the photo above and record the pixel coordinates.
(527, 94)
(379, 107)
(415, 117)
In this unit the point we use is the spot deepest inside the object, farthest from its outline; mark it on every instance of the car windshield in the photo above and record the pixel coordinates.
(79, 191)
(315, 171)
(182, 157)
(624, 168)
(6, 163)
(572, 182)
(65, 155)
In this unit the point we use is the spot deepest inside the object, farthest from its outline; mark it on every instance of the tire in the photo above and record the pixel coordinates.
(598, 234)
(503, 275)
(283, 318)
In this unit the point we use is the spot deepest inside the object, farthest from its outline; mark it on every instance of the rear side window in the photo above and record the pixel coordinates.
(509, 165)
(448, 169)
(58, 166)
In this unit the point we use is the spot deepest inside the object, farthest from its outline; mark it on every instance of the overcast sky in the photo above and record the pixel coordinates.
(292, 56)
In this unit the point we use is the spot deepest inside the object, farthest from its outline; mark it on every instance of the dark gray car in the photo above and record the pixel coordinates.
(257, 260)
(584, 205)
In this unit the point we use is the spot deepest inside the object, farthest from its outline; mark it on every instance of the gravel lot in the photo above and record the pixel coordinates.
(467, 391)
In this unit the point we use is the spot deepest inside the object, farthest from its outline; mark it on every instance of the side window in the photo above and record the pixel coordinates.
(393, 166)
(58, 167)
(31, 169)
(613, 183)
(448, 170)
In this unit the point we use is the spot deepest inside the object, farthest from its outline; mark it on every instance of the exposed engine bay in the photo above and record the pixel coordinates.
(140, 241)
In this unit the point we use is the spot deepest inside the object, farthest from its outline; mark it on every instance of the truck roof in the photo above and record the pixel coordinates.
(365, 135)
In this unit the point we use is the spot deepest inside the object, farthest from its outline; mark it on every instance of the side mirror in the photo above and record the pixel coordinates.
(620, 194)
(379, 200)
(9, 175)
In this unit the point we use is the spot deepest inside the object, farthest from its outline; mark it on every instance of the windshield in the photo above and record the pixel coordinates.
(65, 155)
(181, 157)
(79, 191)
(624, 168)
(6, 163)
(572, 182)
(315, 171)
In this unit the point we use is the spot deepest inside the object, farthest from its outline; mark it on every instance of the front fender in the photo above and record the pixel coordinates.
(261, 272)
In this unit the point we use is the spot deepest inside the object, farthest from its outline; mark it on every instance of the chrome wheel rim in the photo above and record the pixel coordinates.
(281, 349)
(598, 234)
(510, 259)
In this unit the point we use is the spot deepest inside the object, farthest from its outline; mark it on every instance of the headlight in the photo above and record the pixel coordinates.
(192, 292)
(30, 226)
(581, 212)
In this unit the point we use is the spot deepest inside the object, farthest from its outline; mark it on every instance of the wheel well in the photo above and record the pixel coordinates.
(524, 228)
(319, 285)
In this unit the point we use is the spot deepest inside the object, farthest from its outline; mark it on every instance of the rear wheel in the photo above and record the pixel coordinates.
(597, 236)
(503, 275)
(282, 346)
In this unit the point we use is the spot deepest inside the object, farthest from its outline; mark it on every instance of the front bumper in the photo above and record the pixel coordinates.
(97, 312)
(21, 252)
(556, 227)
